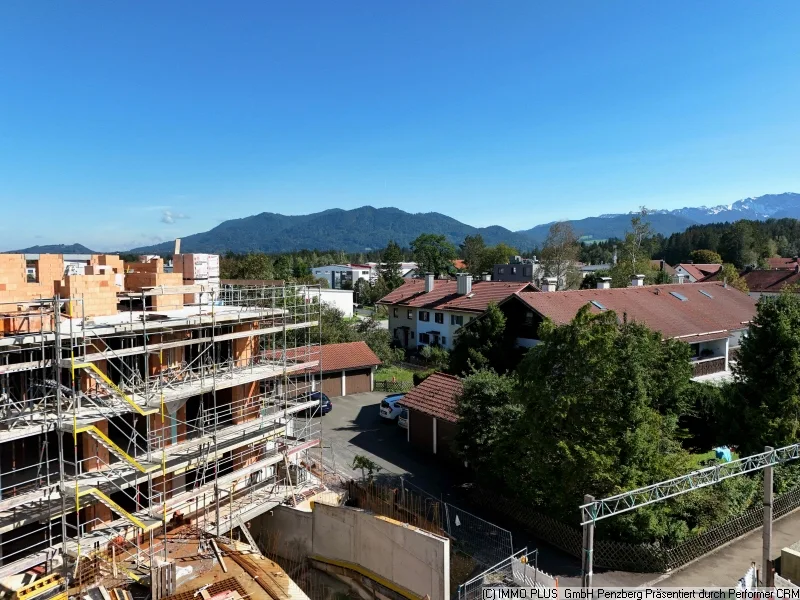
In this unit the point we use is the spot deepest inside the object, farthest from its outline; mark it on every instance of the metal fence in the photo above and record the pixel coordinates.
(643, 558)
(396, 498)
(517, 570)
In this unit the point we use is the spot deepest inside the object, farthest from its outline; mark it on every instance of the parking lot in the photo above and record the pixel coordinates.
(355, 427)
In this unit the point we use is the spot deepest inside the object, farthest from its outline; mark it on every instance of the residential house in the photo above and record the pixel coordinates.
(661, 265)
(764, 282)
(407, 270)
(341, 300)
(694, 272)
(432, 414)
(342, 276)
(779, 262)
(430, 311)
(518, 269)
(710, 317)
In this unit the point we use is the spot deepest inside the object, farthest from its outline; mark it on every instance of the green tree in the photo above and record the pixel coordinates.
(767, 375)
(738, 245)
(485, 344)
(433, 254)
(472, 251)
(730, 275)
(497, 255)
(390, 271)
(633, 257)
(282, 267)
(379, 340)
(487, 414)
(334, 328)
(560, 254)
(592, 279)
(367, 466)
(249, 266)
(601, 401)
(705, 257)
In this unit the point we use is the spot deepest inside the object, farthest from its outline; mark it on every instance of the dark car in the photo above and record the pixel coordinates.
(325, 405)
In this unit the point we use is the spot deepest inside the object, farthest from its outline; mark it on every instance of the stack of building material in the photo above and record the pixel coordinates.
(198, 269)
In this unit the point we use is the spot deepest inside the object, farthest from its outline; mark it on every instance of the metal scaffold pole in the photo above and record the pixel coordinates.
(588, 548)
(766, 570)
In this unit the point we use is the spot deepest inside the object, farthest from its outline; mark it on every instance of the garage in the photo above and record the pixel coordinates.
(432, 420)
(347, 369)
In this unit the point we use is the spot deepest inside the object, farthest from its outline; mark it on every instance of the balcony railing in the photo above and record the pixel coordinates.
(707, 366)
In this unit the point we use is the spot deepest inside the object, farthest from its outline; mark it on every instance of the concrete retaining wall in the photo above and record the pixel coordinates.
(409, 557)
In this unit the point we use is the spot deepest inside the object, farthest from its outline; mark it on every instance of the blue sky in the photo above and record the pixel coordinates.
(123, 123)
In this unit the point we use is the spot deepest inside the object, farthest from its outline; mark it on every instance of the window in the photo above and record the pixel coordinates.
(439, 318)
(396, 312)
(513, 270)
(444, 340)
(365, 272)
(501, 270)
(528, 317)
(680, 297)
(705, 293)
(424, 315)
(412, 334)
(456, 320)
(598, 305)
(424, 338)
(411, 314)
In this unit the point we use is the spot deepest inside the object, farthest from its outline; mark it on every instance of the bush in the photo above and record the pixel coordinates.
(420, 376)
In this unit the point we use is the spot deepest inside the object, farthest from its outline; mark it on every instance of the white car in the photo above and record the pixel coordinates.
(389, 407)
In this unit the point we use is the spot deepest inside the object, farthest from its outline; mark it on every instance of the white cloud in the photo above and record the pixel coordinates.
(170, 217)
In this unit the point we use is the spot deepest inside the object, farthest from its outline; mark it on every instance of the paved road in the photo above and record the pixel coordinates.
(726, 565)
(354, 427)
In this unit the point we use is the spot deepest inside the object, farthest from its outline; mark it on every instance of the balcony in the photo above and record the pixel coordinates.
(707, 366)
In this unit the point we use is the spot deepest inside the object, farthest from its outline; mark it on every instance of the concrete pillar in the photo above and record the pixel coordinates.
(727, 347)
(244, 349)
(372, 379)
(344, 383)
(434, 434)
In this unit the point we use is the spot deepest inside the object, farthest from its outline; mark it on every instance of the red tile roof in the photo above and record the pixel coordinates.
(763, 280)
(728, 309)
(436, 396)
(337, 357)
(444, 296)
(659, 265)
(778, 262)
(699, 271)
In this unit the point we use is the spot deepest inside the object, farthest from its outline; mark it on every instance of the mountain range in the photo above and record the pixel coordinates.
(368, 228)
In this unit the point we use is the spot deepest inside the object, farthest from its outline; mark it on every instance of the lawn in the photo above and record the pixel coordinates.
(699, 458)
(399, 374)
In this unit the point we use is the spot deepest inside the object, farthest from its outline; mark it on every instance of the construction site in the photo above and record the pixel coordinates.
(144, 415)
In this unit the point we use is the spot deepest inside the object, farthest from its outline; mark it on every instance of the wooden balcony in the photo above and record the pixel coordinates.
(707, 366)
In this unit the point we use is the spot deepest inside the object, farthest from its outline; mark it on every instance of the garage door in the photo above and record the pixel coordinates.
(332, 384)
(357, 381)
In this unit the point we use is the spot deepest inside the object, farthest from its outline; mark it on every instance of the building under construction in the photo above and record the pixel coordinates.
(131, 401)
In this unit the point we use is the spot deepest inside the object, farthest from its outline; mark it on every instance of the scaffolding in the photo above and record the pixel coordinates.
(115, 428)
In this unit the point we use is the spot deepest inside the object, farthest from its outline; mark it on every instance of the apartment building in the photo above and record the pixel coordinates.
(125, 404)
(431, 311)
(342, 276)
(710, 317)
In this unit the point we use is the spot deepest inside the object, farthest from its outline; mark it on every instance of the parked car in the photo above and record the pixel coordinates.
(402, 420)
(325, 405)
(389, 408)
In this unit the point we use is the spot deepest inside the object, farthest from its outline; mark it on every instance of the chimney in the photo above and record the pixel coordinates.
(637, 281)
(604, 283)
(681, 277)
(486, 276)
(549, 284)
(428, 282)
(464, 284)
(797, 267)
